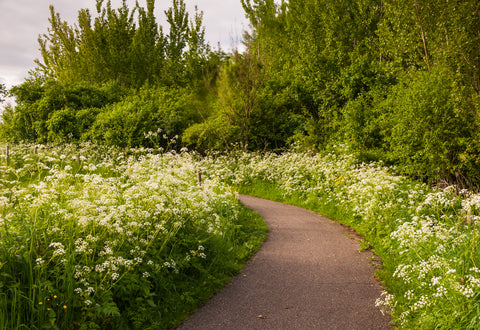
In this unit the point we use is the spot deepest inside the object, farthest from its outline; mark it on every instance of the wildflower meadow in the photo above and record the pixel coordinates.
(95, 238)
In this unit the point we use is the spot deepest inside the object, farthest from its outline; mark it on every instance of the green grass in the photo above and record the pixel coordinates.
(125, 240)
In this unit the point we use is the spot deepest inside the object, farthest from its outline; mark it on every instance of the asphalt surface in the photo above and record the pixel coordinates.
(308, 274)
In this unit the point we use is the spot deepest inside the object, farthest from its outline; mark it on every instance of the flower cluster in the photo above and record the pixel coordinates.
(99, 222)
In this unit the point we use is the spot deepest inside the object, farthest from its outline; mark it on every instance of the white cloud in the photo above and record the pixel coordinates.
(22, 21)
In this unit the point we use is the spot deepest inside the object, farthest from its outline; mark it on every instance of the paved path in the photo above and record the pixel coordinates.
(307, 275)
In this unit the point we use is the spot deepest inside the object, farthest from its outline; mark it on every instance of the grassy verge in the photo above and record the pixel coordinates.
(95, 238)
(428, 239)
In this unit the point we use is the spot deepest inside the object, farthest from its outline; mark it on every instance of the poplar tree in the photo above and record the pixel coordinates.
(125, 45)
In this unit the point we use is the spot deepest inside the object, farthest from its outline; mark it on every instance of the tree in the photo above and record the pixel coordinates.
(240, 83)
(38, 102)
(308, 47)
(126, 45)
(109, 48)
(90, 75)
(420, 34)
(3, 93)
(432, 130)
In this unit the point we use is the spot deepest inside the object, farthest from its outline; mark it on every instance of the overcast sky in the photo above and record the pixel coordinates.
(21, 21)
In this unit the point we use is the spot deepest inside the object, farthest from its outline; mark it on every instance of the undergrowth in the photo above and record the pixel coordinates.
(102, 238)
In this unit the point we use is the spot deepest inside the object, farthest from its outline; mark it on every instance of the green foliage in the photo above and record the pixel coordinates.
(96, 238)
(48, 111)
(363, 86)
(115, 77)
(124, 45)
(3, 92)
(431, 128)
(240, 82)
(252, 109)
(424, 33)
(62, 125)
(216, 133)
(109, 48)
(55, 112)
(126, 123)
(311, 47)
(340, 60)
(314, 74)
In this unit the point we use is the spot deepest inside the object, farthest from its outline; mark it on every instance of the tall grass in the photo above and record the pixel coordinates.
(94, 238)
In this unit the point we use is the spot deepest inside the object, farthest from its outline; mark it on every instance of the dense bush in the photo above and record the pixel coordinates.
(35, 118)
(216, 133)
(126, 123)
(431, 127)
(339, 61)
(54, 112)
(250, 110)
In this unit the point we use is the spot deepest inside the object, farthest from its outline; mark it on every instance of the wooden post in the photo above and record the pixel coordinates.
(8, 152)
(469, 219)
(79, 160)
(36, 150)
(199, 177)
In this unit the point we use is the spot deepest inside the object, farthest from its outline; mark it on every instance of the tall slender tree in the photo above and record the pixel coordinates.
(3, 92)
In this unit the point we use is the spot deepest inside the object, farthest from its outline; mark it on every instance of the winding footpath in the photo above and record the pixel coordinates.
(308, 274)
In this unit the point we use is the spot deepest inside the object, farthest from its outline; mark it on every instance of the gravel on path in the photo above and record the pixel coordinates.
(309, 274)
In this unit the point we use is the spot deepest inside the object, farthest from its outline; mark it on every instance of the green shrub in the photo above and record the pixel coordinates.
(216, 133)
(431, 126)
(160, 111)
(35, 118)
